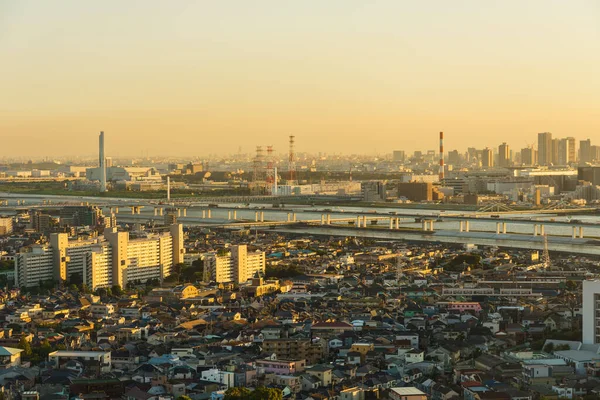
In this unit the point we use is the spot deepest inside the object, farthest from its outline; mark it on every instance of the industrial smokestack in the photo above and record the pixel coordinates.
(102, 163)
(168, 188)
(441, 156)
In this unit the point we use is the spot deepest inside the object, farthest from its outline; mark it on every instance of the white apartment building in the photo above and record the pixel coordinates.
(239, 266)
(591, 312)
(112, 259)
(34, 265)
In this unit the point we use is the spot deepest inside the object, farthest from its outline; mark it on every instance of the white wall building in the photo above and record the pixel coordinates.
(591, 312)
(239, 266)
(112, 259)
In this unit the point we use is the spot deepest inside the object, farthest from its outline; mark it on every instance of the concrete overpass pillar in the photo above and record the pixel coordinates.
(397, 223)
(542, 229)
(155, 211)
(460, 226)
(322, 219)
(581, 232)
(234, 214)
(294, 217)
(364, 222)
(160, 211)
(328, 219)
(289, 217)
(209, 213)
(358, 221)
(535, 230)
(262, 216)
(424, 225)
(179, 212)
(391, 223)
(574, 234)
(228, 214)
(497, 228)
(132, 210)
(431, 225)
(466, 226)
(256, 216)
(504, 227)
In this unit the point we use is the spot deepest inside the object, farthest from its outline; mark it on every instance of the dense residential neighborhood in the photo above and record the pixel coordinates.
(306, 318)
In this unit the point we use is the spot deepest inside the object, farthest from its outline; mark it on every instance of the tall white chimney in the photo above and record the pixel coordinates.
(102, 163)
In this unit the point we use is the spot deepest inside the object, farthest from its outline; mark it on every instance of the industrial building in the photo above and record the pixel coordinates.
(373, 191)
(238, 266)
(116, 258)
(419, 191)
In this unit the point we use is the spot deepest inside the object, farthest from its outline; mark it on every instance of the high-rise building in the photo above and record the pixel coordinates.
(487, 158)
(545, 148)
(112, 259)
(585, 151)
(238, 266)
(453, 157)
(504, 159)
(554, 158)
(595, 153)
(528, 156)
(399, 155)
(591, 309)
(572, 149)
(564, 151)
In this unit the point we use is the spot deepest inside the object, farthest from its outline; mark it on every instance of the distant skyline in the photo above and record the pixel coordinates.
(192, 78)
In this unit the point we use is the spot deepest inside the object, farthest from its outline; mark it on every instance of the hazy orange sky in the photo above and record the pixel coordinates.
(344, 76)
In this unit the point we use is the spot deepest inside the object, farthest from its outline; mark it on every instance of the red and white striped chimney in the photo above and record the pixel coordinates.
(441, 156)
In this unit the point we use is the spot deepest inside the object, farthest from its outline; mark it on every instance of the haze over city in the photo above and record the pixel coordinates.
(192, 78)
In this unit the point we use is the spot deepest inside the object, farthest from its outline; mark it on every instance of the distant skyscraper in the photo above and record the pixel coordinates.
(585, 151)
(565, 151)
(528, 156)
(399, 155)
(545, 148)
(554, 157)
(487, 158)
(572, 149)
(503, 155)
(453, 157)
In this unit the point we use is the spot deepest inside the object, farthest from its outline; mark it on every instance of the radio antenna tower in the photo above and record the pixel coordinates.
(257, 175)
(270, 170)
(546, 254)
(292, 161)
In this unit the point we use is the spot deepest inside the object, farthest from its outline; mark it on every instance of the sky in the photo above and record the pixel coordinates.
(343, 76)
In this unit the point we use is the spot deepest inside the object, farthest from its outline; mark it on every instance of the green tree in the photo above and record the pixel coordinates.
(25, 346)
(263, 393)
(237, 393)
(549, 348)
(117, 290)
